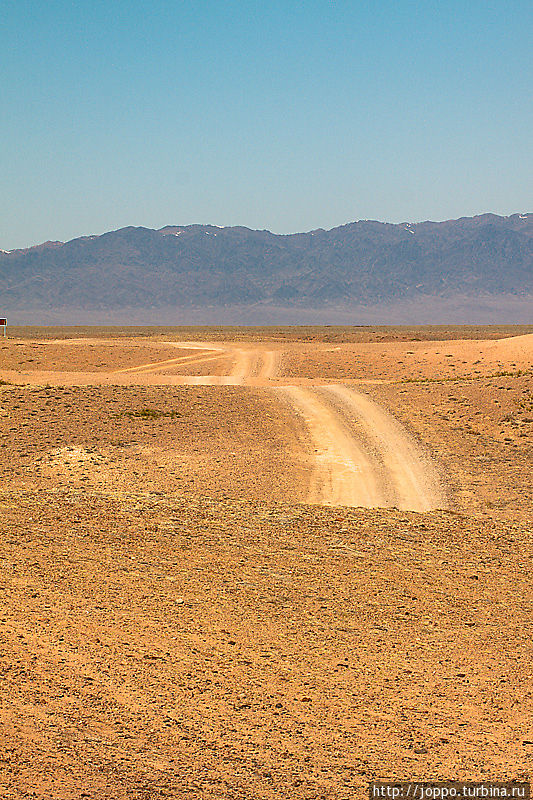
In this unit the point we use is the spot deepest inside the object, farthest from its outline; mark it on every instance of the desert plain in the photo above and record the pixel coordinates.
(264, 562)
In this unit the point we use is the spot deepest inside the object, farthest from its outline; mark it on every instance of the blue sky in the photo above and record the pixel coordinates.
(281, 115)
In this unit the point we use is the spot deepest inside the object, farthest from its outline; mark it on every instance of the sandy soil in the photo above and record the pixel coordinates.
(396, 361)
(195, 603)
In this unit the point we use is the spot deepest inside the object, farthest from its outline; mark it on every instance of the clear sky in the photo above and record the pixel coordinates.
(281, 115)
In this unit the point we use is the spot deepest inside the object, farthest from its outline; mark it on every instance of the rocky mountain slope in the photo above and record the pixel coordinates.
(196, 266)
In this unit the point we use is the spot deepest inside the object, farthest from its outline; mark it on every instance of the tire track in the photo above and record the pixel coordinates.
(410, 470)
(363, 455)
(343, 473)
(155, 366)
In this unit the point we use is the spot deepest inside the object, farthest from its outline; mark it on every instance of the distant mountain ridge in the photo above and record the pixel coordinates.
(200, 266)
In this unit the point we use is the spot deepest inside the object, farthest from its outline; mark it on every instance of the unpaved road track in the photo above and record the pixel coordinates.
(156, 366)
(363, 456)
(411, 472)
(247, 364)
(387, 468)
(360, 454)
(342, 472)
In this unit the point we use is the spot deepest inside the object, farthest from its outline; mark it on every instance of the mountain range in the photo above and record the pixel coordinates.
(206, 273)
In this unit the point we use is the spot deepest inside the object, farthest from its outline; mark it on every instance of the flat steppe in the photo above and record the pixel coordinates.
(264, 562)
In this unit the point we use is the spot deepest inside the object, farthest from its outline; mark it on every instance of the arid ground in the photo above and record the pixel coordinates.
(251, 563)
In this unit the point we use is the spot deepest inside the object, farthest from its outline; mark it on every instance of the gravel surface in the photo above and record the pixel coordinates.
(178, 620)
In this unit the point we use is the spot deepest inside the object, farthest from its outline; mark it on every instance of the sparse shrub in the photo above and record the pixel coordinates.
(150, 413)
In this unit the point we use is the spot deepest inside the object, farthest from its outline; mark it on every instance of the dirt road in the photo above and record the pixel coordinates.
(342, 473)
(362, 455)
(410, 472)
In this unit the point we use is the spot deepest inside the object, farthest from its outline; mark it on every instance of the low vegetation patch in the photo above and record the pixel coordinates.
(451, 378)
(150, 413)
